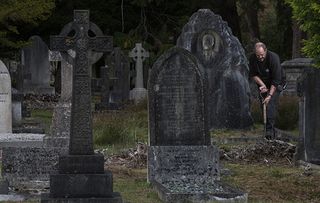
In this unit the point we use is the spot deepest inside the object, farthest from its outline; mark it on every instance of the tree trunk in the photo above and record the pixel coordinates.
(297, 36)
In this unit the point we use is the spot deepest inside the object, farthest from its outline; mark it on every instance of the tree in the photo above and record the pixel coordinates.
(307, 13)
(16, 15)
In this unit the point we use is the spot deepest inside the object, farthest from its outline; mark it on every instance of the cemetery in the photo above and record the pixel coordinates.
(156, 101)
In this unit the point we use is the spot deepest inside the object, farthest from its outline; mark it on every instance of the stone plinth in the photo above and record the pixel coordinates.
(138, 94)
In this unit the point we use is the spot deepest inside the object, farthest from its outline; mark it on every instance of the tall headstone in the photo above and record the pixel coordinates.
(81, 174)
(5, 100)
(37, 64)
(308, 149)
(105, 93)
(223, 60)
(120, 68)
(294, 69)
(182, 164)
(139, 54)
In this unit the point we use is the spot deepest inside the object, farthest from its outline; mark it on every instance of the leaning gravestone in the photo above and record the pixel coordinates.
(37, 65)
(308, 149)
(223, 59)
(5, 100)
(182, 164)
(81, 176)
(139, 54)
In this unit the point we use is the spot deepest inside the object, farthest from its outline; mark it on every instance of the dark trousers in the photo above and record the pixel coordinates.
(271, 112)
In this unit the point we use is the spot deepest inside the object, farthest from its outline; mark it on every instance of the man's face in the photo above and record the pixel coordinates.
(261, 53)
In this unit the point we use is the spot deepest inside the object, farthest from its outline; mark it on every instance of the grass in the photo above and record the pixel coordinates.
(43, 116)
(266, 183)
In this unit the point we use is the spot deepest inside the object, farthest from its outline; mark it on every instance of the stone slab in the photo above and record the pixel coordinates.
(85, 164)
(81, 185)
(23, 140)
(183, 162)
(115, 198)
(206, 193)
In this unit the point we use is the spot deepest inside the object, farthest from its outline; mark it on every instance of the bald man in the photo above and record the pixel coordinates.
(265, 70)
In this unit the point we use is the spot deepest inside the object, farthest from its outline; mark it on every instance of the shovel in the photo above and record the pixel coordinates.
(265, 119)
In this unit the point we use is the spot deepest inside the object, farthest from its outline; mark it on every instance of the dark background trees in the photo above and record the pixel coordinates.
(156, 23)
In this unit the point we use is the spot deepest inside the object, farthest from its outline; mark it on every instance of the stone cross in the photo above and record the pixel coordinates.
(139, 54)
(81, 138)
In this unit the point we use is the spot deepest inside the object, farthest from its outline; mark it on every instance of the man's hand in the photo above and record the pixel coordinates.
(267, 100)
(263, 89)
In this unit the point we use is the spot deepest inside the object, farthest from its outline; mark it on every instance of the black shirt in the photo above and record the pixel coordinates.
(269, 71)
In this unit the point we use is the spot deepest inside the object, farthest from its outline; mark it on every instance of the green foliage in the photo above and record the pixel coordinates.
(15, 14)
(307, 13)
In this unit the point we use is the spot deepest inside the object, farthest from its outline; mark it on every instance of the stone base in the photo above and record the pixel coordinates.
(138, 94)
(206, 193)
(183, 162)
(81, 164)
(115, 198)
(81, 185)
(38, 90)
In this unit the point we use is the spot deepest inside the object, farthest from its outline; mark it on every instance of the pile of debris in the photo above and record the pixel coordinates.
(43, 101)
(266, 151)
(131, 158)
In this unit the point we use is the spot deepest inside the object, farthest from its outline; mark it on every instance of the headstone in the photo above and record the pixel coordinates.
(308, 149)
(294, 69)
(81, 175)
(17, 102)
(105, 94)
(37, 65)
(182, 164)
(139, 54)
(120, 67)
(223, 60)
(5, 100)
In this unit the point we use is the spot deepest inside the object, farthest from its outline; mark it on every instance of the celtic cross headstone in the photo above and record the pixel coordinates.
(139, 54)
(81, 175)
(81, 124)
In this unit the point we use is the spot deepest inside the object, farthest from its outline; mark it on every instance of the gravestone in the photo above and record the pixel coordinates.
(308, 149)
(139, 54)
(223, 59)
(105, 93)
(5, 100)
(120, 68)
(294, 69)
(60, 127)
(81, 175)
(17, 102)
(37, 65)
(182, 164)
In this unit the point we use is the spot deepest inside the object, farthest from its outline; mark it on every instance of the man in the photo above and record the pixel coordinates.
(265, 70)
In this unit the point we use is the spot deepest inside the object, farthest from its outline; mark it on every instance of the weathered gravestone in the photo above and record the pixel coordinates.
(37, 65)
(294, 69)
(182, 164)
(223, 60)
(81, 175)
(5, 100)
(17, 101)
(139, 54)
(105, 93)
(120, 68)
(308, 149)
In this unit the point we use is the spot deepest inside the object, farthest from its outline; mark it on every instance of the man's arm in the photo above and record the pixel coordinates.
(262, 87)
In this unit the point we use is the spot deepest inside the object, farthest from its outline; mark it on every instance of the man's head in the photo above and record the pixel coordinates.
(260, 51)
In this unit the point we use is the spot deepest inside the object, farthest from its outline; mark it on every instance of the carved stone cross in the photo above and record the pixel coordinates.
(81, 138)
(139, 54)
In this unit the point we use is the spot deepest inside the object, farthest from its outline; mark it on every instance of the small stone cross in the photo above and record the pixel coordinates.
(139, 54)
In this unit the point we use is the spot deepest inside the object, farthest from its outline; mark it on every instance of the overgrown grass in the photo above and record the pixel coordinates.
(121, 128)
